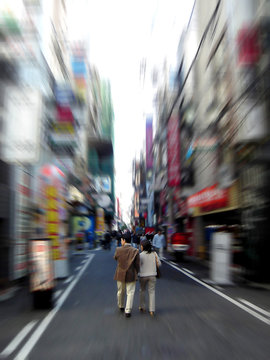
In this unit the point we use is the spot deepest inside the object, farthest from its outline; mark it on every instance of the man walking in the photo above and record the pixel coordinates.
(159, 243)
(128, 266)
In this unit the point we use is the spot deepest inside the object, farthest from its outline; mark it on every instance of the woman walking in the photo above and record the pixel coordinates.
(149, 261)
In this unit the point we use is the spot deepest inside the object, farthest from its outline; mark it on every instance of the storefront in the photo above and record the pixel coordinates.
(214, 209)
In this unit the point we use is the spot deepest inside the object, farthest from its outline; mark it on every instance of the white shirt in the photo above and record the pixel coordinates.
(159, 241)
(148, 264)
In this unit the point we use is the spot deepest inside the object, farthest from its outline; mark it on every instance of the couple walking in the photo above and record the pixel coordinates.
(130, 263)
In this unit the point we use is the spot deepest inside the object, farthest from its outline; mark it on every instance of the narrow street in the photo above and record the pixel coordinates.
(192, 322)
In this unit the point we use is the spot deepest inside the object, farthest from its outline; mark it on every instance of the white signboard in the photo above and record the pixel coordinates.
(103, 184)
(221, 258)
(22, 222)
(21, 126)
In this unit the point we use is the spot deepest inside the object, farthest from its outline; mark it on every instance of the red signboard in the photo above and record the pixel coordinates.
(149, 231)
(136, 205)
(210, 197)
(118, 209)
(173, 139)
(248, 46)
(64, 113)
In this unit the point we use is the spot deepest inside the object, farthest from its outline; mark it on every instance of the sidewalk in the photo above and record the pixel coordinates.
(202, 269)
(241, 289)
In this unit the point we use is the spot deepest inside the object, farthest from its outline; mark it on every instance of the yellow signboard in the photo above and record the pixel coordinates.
(53, 220)
(100, 224)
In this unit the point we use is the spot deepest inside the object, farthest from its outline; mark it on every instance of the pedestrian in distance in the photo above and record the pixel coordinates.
(149, 261)
(159, 243)
(128, 266)
(143, 237)
(135, 240)
(107, 240)
(118, 238)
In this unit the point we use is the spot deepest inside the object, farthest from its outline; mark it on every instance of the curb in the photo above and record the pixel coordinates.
(8, 293)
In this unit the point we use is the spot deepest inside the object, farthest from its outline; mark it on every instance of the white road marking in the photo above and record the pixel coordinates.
(78, 268)
(255, 307)
(18, 339)
(218, 287)
(57, 294)
(173, 263)
(28, 347)
(233, 301)
(189, 271)
(209, 281)
(68, 280)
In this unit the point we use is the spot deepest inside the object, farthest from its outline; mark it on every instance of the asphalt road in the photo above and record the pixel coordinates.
(192, 322)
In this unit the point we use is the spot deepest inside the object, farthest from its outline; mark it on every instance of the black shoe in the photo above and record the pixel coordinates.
(128, 315)
(122, 309)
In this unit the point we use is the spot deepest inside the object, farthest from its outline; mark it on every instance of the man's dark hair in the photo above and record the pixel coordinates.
(127, 238)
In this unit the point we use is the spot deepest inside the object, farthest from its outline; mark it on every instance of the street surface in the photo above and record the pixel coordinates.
(193, 319)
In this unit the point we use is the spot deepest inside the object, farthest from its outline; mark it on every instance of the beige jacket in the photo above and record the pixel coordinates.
(128, 263)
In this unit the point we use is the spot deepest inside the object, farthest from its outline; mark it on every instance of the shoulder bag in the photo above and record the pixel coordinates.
(158, 270)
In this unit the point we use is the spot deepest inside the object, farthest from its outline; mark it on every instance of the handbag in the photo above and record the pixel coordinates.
(158, 269)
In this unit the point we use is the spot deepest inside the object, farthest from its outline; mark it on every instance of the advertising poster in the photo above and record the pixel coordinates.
(41, 275)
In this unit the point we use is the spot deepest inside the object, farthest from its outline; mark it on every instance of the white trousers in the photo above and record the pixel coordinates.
(159, 251)
(150, 282)
(122, 289)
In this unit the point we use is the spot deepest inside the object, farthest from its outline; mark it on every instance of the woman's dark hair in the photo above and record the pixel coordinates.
(147, 246)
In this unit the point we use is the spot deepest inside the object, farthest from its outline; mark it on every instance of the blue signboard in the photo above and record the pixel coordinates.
(78, 67)
(63, 94)
(86, 225)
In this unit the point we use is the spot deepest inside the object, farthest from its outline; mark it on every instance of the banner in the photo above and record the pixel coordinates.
(173, 141)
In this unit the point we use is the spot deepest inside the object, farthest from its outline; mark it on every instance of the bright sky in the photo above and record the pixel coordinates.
(121, 33)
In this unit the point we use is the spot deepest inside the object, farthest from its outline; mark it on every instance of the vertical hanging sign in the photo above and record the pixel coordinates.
(149, 143)
(173, 143)
(53, 220)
